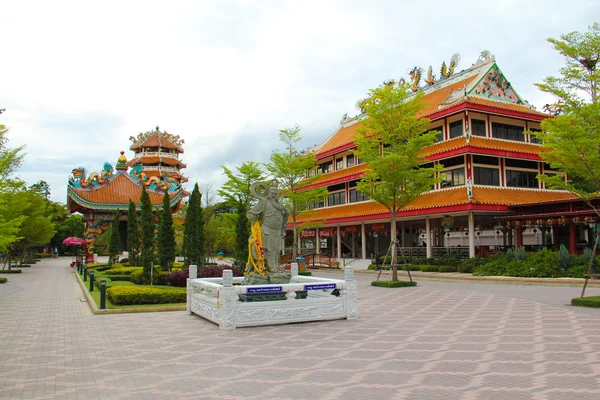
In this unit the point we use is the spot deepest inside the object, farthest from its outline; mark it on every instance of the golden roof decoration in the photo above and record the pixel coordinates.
(142, 137)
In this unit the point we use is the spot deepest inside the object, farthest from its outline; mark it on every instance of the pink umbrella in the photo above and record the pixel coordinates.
(74, 241)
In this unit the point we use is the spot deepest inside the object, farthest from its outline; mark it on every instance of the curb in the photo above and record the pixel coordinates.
(468, 278)
(96, 311)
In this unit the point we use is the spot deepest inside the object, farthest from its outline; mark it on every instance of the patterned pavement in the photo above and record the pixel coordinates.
(435, 341)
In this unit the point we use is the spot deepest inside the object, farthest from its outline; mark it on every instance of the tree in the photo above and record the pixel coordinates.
(191, 238)
(390, 141)
(133, 234)
(10, 161)
(166, 235)
(242, 234)
(147, 225)
(35, 229)
(291, 168)
(236, 192)
(42, 188)
(571, 139)
(115, 239)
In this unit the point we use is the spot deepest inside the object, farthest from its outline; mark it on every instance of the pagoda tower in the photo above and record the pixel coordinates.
(157, 154)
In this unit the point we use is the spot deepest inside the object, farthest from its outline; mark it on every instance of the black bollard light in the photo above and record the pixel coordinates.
(84, 274)
(91, 281)
(102, 294)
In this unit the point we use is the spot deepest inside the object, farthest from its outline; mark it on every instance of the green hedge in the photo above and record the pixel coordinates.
(447, 268)
(593, 301)
(305, 273)
(122, 270)
(43, 255)
(116, 277)
(3, 280)
(393, 284)
(130, 295)
(429, 268)
(10, 271)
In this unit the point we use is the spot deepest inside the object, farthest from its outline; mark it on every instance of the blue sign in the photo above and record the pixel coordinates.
(264, 289)
(320, 286)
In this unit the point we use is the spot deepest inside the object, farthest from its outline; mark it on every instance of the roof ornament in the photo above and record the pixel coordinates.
(485, 57)
(122, 163)
(345, 119)
(415, 75)
(430, 80)
(446, 71)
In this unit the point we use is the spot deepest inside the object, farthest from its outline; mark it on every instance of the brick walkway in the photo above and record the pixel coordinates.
(435, 341)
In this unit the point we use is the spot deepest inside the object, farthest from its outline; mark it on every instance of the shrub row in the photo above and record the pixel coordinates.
(116, 277)
(422, 268)
(10, 271)
(593, 301)
(3, 280)
(122, 270)
(393, 284)
(179, 278)
(130, 295)
(43, 255)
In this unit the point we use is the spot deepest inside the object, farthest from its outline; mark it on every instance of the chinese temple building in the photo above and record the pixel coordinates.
(99, 195)
(490, 166)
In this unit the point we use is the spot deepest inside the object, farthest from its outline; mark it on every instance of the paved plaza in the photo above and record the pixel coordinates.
(439, 340)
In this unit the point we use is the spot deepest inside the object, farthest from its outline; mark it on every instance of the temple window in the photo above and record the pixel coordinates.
(508, 132)
(486, 176)
(317, 204)
(337, 198)
(485, 160)
(359, 160)
(456, 128)
(516, 178)
(326, 167)
(350, 160)
(532, 138)
(454, 177)
(339, 163)
(478, 127)
(440, 133)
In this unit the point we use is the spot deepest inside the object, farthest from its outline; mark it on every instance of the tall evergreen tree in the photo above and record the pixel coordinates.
(201, 232)
(133, 234)
(147, 224)
(166, 235)
(242, 233)
(115, 238)
(190, 229)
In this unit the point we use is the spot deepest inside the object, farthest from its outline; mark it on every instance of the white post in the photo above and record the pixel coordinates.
(471, 235)
(193, 275)
(227, 301)
(428, 237)
(294, 269)
(363, 241)
(351, 293)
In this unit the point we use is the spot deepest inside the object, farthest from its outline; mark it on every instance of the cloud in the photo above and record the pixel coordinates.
(79, 78)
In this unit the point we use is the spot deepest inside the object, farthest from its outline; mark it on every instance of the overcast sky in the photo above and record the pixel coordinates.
(78, 78)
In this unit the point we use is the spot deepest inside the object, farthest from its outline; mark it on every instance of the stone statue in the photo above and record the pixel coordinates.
(268, 219)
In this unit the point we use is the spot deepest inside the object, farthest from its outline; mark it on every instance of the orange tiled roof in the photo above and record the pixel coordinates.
(153, 141)
(482, 195)
(345, 135)
(483, 143)
(497, 104)
(342, 173)
(434, 99)
(155, 159)
(117, 191)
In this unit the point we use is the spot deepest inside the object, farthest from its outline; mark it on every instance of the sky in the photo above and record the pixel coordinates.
(78, 78)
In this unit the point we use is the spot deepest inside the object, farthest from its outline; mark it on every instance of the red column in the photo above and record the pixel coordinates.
(572, 241)
(519, 234)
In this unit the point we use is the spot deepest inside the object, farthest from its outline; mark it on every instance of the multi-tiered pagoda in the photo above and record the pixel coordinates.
(157, 154)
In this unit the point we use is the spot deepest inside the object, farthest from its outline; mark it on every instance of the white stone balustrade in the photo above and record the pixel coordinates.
(217, 299)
